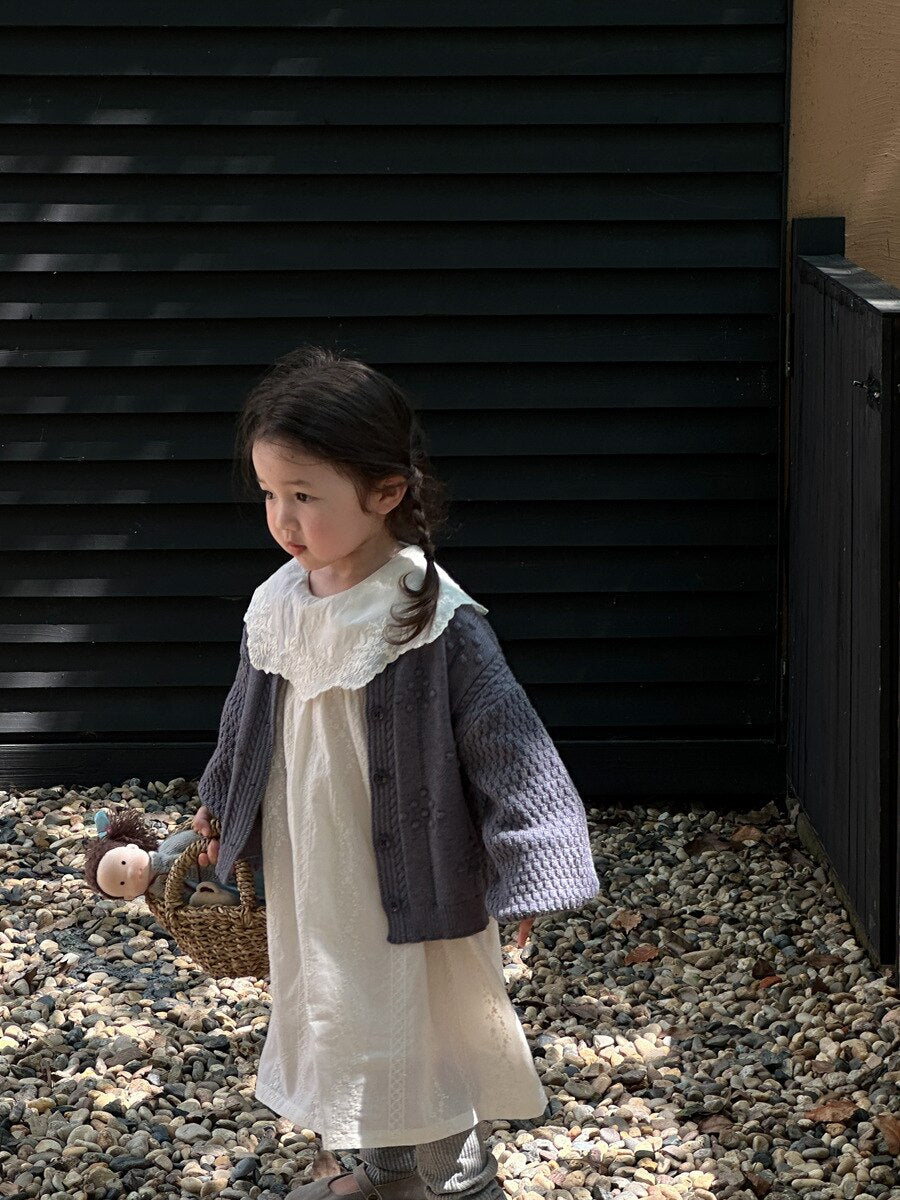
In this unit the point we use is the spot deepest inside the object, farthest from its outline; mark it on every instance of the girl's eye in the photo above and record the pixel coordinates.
(306, 494)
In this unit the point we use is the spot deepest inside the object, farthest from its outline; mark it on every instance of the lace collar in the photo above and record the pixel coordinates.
(321, 642)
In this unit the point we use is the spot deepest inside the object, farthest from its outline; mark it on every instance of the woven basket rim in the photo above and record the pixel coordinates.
(226, 940)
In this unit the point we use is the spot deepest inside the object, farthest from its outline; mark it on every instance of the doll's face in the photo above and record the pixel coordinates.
(125, 872)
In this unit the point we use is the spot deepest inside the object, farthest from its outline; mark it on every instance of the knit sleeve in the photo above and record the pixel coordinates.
(212, 787)
(533, 822)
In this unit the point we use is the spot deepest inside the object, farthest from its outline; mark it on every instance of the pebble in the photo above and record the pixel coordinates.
(129, 1074)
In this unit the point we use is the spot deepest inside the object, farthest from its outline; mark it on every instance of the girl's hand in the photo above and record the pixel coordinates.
(524, 930)
(200, 823)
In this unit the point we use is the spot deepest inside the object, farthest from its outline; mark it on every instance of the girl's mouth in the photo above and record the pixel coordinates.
(295, 549)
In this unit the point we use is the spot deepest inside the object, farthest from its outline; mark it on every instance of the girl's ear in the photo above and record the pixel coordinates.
(390, 492)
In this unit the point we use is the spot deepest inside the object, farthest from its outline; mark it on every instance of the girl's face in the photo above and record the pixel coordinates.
(311, 506)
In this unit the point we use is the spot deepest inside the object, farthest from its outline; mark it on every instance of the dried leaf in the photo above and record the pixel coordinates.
(837, 1108)
(627, 919)
(769, 981)
(715, 1123)
(798, 858)
(823, 960)
(707, 841)
(889, 1126)
(585, 1009)
(679, 1033)
(762, 969)
(747, 833)
(642, 953)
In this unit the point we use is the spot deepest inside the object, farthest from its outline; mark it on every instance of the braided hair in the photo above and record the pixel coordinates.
(348, 414)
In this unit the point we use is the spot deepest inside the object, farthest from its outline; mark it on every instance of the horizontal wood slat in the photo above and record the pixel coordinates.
(236, 572)
(414, 53)
(109, 619)
(434, 386)
(609, 431)
(275, 199)
(502, 339)
(392, 14)
(508, 101)
(41, 666)
(726, 477)
(376, 247)
(720, 709)
(75, 296)
(398, 150)
(520, 523)
(720, 769)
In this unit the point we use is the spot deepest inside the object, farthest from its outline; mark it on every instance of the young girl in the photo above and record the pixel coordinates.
(379, 759)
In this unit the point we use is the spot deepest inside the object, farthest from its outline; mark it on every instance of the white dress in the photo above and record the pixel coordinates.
(369, 1043)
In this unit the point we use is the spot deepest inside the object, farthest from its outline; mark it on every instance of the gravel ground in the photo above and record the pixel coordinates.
(706, 1027)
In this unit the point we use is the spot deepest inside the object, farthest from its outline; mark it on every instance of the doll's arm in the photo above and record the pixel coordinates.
(171, 847)
(533, 822)
(168, 852)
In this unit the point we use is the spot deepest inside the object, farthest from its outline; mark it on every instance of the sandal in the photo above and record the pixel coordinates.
(410, 1187)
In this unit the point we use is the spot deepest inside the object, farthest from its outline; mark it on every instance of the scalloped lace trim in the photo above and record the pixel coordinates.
(321, 642)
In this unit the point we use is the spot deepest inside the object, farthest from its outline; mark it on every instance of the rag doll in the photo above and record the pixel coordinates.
(127, 859)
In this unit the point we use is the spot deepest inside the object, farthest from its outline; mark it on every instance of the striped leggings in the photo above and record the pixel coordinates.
(461, 1164)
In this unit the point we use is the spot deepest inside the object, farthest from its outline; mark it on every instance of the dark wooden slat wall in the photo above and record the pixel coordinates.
(844, 550)
(559, 225)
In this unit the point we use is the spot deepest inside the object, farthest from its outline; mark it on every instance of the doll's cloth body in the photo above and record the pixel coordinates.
(163, 859)
(369, 1042)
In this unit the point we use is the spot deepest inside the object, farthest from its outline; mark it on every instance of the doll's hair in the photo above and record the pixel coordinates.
(344, 412)
(128, 826)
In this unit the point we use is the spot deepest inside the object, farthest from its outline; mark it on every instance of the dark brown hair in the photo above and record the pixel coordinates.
(128, 826)
(345, 413)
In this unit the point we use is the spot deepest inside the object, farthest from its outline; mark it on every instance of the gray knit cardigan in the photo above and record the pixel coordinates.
(473, 812)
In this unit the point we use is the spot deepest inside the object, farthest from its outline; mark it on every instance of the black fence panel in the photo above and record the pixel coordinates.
(843, 532)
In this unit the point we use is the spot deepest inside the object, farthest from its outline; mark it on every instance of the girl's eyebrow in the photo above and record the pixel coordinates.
(291, 482)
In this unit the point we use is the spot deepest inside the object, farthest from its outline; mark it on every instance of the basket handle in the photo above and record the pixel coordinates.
(174, 896)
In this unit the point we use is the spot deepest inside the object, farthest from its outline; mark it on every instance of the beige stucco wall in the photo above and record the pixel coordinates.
(844, 138)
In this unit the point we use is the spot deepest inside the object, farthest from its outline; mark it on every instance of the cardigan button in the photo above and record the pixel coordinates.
(381, 776)
(383, 841)
(378, 714)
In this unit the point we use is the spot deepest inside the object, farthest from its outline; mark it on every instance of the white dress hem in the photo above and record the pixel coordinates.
(273, 1099)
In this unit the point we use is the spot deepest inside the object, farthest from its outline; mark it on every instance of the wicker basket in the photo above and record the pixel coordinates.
(226, 941)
